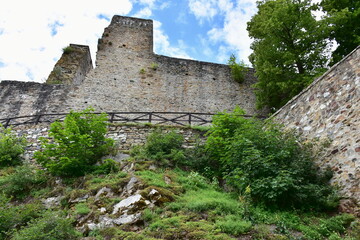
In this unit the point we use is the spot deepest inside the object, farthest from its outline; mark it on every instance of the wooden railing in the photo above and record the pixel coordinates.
(170, 118)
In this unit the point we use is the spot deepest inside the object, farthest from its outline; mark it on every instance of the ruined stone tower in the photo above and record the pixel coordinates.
(72, 67)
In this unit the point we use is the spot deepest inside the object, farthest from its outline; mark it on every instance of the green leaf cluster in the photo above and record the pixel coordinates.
(24, 179)
(11, 147)
(76, 144)
(164, 148)
(289, 49)
(238, 70)
(12, 217)
(343, 17)
(68, 50)
(53, 225)
(260, 160)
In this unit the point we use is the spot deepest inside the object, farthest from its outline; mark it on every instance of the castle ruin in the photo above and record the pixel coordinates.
(129, 77)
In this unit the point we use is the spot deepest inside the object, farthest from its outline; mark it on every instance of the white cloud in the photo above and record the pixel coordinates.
(162, 44)
(232, 35)
(150, 3)
(203, 9)
(206, 48)
(164, 5)
(144, 13)
(28, 50)
(149, 6)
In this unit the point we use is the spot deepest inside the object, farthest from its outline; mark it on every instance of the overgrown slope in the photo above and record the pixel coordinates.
(160, 191)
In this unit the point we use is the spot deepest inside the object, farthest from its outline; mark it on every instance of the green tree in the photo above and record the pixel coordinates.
(288, 49)
(344, 20)
(77, 144)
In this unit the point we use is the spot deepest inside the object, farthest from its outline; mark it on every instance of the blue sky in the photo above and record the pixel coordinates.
(33, 33)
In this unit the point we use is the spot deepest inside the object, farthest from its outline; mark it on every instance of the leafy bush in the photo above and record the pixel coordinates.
(11, 147)
(327, 227)
(165, 148)
(16, 216)
(53, 225)
(107, 166)
(275, 168)
(238, 70)
(22, 181)
(68, 50)
(77, 144)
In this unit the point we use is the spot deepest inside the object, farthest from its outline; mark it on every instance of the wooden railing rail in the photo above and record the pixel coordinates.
(170, 118)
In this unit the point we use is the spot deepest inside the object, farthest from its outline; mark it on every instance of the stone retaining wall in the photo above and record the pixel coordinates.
(330, 109)
(126, 136)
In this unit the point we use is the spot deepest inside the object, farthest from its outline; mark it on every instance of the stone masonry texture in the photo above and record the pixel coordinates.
(126, 136)
(329, 109)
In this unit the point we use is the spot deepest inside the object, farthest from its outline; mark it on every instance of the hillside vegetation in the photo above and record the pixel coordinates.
(247, 180)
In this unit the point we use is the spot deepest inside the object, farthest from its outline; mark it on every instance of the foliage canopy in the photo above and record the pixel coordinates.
(343, 18)
(289, 49)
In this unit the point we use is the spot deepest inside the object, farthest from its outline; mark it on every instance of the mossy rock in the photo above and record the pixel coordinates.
(160, 197)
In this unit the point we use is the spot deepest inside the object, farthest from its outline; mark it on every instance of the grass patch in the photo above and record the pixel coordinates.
(233, 225)
(82, 209)
(113, 181)
(203, 200)
(153, 178)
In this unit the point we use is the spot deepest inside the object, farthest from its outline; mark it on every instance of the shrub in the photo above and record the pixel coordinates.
(238, 70)
(53, 225)
(20, 183)
(107, 166)
(16, 216)
(77, 144)
(336, 224)
(165, 148)
(11, 147)
(275, 168)
(68, 50)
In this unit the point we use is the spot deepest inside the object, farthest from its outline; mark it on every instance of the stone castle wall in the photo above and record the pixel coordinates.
(30, 98)
(330, 109)
(129, 77)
